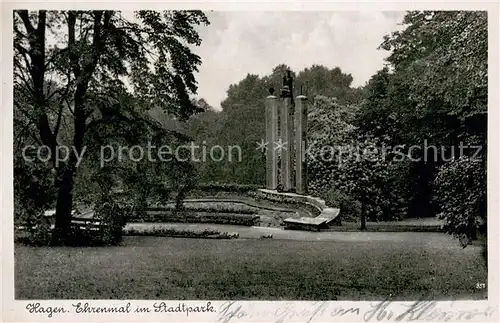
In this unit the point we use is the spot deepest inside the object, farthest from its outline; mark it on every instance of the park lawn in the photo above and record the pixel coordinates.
(181, 268)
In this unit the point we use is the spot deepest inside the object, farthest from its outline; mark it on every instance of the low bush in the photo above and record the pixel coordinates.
(81, 235)
(86, 235)
(34, 234)
(460, 188)
(216, 207)
(104, 229)
(112, 220)
(349, 206)
(172, 232)
(199, 217)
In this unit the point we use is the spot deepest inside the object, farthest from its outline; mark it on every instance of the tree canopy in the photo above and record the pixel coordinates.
(86, 78)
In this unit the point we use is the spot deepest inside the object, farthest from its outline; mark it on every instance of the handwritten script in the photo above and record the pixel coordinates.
(374, 312)
(422, 311)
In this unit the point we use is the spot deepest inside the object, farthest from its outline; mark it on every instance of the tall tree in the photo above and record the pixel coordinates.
(435, 94)
(319, 80)
(99, 59)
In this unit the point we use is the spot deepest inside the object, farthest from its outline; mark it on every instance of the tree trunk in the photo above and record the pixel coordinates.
(62, 233)
(64, 207)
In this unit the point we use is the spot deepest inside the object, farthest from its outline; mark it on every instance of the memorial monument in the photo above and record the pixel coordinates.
(286, 135)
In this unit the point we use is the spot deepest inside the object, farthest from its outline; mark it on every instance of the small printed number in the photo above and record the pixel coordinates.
(480, 285)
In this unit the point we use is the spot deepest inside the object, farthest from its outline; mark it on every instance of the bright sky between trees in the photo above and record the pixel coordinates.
(238, 43)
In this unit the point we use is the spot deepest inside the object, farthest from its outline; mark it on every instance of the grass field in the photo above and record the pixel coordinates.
(179, 268)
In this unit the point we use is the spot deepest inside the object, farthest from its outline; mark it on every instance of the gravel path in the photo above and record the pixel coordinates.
(439, 240)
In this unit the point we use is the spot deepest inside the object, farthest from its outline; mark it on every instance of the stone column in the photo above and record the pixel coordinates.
(287, 142)
(271, 138)
(301, 144)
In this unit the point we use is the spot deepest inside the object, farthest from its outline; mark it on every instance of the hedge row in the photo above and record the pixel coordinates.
(213, 209)
(82, 235)
(198, 217)
(237, 188)
(171, 232)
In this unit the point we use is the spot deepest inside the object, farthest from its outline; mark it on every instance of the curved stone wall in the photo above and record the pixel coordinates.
(322, 216)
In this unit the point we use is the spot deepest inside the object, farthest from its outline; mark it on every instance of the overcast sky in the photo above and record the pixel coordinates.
(238, 43)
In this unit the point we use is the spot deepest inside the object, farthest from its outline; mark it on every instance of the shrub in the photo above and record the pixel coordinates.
(172, 232)
(41, 234)
(84, 235)
(35, 234)
(112, 218)
(202, 217)
(350, 207)
(34, 193)
(208, 206)
(460, 187)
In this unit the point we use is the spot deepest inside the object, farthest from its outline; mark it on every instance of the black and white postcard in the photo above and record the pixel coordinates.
(250, 162)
